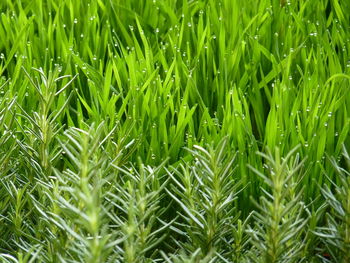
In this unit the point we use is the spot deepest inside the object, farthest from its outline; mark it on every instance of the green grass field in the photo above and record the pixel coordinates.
(174, 131)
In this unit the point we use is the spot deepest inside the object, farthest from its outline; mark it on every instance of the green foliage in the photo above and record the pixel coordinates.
(280, 220)
(205, 191)
(136, 131)
(336, 234)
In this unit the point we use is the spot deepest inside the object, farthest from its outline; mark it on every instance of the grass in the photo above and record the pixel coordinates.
(174, 131)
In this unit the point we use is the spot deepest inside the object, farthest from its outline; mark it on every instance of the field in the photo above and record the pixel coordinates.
(174, 131)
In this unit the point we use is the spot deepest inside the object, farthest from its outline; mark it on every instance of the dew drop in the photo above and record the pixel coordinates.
(313, 34)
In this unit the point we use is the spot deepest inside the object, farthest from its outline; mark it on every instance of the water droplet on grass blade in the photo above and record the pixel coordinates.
(313, 34)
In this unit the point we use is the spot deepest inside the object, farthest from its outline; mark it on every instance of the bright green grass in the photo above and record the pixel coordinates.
(130, 130)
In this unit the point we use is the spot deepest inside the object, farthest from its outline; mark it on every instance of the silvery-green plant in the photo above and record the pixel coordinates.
(41, 125)
(205, 190)
(78, 214)
(40, 151)
(336, 234)
(136, 213)
(155, 78)
(195, 257)
(277, 233)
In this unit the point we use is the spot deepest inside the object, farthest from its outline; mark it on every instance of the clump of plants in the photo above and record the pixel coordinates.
(139, 131)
